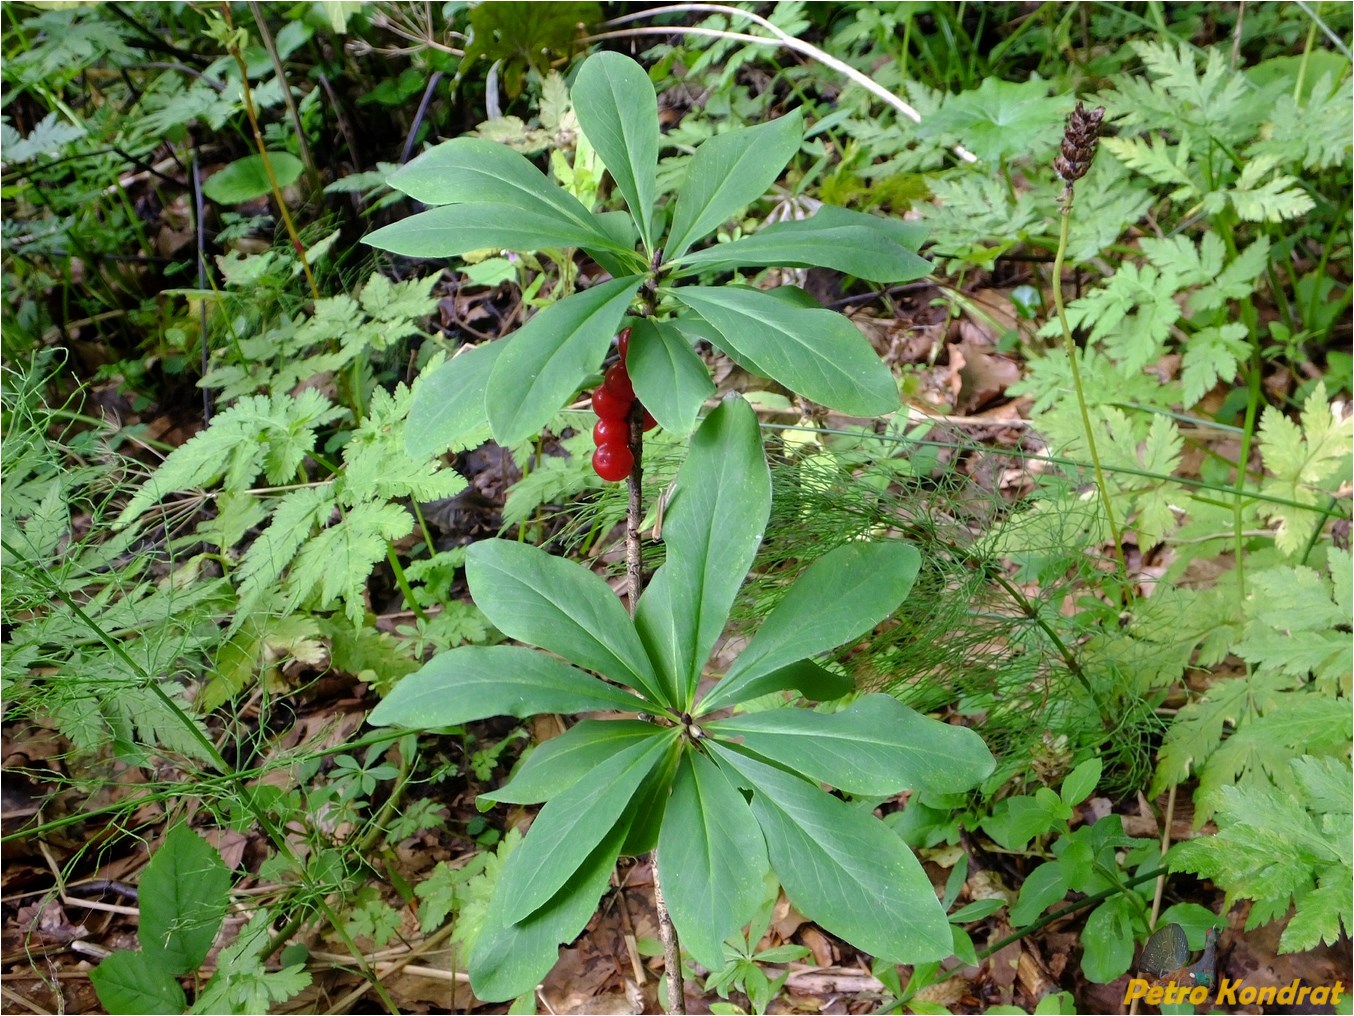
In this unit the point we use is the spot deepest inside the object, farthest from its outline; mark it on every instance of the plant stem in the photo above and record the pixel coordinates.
(403, 582)
(634, 567)
(1070, 346)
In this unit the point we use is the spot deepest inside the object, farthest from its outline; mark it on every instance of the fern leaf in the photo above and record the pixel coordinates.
(376, 464)
(1307, 463)
(258, 433)
(1274, 201)
(1318, 135)
(295, 518)
(1211, 355)
(336, 564)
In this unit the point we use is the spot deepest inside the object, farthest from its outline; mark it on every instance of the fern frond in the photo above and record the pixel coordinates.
(1307, 462)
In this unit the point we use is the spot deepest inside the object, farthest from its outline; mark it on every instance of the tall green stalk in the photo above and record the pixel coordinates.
(1078, 149)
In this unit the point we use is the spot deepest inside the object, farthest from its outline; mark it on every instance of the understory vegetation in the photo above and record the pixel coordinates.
(754, 508)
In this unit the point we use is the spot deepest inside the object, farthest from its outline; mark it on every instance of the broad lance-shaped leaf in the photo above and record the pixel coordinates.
(865, 246)
(669, 378)
(509, 960)
(819, 354)
(729, 172)
(562, 761)
(456, 229)
(448, 404)
(839, 597)
(618, 111)
(876, 747)
(474, 682)
(548, 358)
(184, 894)
(713, 527)
(572, 824)
(840, 866)
(559, 605)
(473, 170)
(713, 859)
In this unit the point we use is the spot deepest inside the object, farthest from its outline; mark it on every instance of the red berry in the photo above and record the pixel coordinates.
(613, 462)
(623, 342)
(619, 382)
(649, 422)
(609, 405)
(610, 431)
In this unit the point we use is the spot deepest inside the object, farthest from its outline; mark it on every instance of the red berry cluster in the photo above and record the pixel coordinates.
(613, 458)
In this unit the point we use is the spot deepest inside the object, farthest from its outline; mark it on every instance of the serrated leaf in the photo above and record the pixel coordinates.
(337, 563)
(183, 897)
(135, 983)
(1307, 464)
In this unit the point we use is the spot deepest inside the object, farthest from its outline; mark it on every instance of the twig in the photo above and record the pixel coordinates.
(200, 228)
(418, 116)
(781, 39)
(312, 174)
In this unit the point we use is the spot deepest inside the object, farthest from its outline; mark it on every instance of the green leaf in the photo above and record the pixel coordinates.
(828, 606)
(842, 867)
(546, 601)
(669, 378)
(448, 402)
(562, 761)
(618, 111)
(133, 983)
(818, 684)
(571, 825)
(713, 859)
(1081, 782)
(548, 358)
(246, 179)
(729, 172)
(1001, 119)
(834, 238)
(1108, 940)
(876, 747)
(819, 354)
(183, 897)
(1043, 887)
(510, 959)
(714, 525)
(472, 682)
(456, 229)
(475, 171)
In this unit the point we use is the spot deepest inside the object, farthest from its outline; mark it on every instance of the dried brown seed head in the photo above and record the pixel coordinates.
(1079, 141)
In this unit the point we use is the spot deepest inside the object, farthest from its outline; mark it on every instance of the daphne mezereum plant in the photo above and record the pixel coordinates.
(725, 799)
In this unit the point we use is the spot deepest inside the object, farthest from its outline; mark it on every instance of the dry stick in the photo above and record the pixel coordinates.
(312, 174)
(282, 209)
(782, 38)
(1161, 879)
